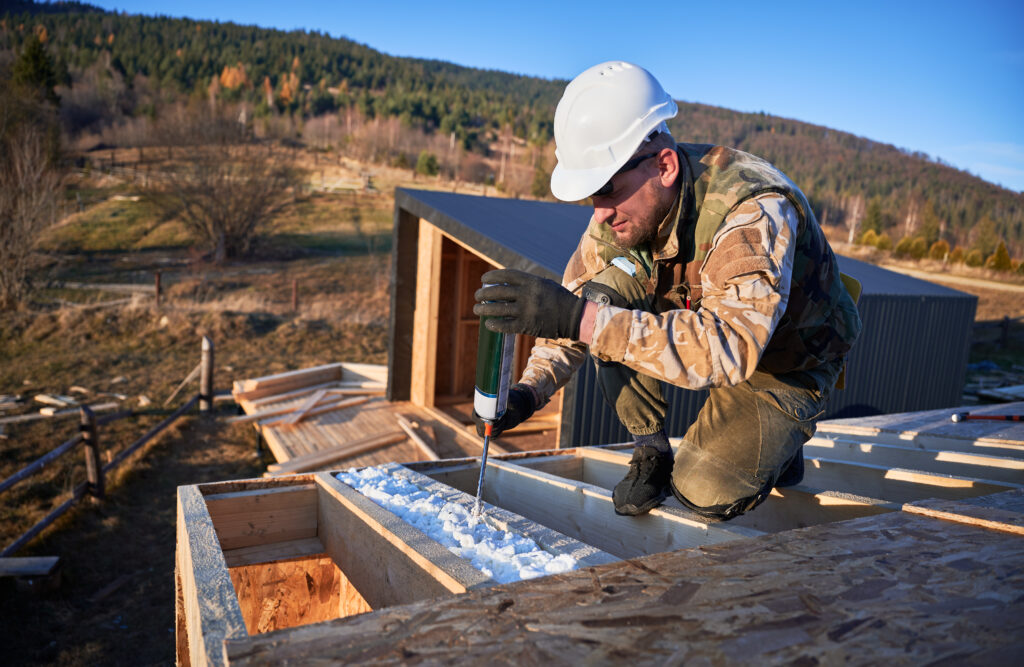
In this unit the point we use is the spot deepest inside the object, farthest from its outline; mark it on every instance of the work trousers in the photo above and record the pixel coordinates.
(745, 435)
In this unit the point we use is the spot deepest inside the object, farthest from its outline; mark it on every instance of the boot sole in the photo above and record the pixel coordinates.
(633, 510)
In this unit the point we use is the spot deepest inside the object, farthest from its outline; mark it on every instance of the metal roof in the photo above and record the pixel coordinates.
(521, 234)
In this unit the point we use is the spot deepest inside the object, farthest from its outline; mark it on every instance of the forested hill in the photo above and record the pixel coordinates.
(148, 61)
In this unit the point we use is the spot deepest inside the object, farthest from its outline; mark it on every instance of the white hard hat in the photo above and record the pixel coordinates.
(604, 115)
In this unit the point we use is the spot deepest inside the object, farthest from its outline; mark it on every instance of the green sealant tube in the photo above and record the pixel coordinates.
(494, 356)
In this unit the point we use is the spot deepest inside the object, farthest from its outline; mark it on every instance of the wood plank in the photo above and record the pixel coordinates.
(501, 519)
(328, 456)
(960, 512)
(321, 409)
(893, 484)
(284, 382)
(934, 430)
(460, 431)
(585, 512)
(299, 412)
(288, 593)
(425, 316)
(31, 566)
(415, 437)
(387, 560)
(208, 603)
(266, 553)
(784, 509)
(249, 518)
(362, 372)
(979, 466)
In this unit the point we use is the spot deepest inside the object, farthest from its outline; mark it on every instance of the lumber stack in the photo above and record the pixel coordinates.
(331, 415)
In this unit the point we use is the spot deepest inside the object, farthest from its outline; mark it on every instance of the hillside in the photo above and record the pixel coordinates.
(124, 71)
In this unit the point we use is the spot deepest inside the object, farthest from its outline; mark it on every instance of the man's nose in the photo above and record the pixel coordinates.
(603, 214)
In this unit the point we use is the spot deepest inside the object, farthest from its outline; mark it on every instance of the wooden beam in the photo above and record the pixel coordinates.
(208, 603)
(784, 509)
(585, 512)
(387, 560)
(460, 431)
(501, 519)
(928, 441)
(328, 456)
(266, 553)
(284, 382)
(415, 437)
(297, 413)
(424, 337)
(894, 484)
(980, 466)
(263, 516)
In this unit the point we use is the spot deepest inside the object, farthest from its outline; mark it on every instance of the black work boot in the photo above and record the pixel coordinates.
(793, 473)
(646, 484)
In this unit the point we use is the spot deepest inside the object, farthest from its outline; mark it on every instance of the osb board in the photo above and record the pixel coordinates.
(937, 423)
(895, 588)
(377, 416)
(288, 593)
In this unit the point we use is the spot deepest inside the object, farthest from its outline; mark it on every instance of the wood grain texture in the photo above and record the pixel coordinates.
(287, 593)
(385, 558)
(209, 605)
(249, 518)
(890, 589)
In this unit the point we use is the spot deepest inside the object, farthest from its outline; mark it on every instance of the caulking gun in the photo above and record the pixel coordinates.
(494, 356)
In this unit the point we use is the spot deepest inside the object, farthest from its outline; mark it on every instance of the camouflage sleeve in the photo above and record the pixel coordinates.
(745, 280)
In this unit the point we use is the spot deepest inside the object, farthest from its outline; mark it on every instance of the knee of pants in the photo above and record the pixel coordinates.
(713, 488)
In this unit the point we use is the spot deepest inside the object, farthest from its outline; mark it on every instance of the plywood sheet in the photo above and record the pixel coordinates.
(889, 589)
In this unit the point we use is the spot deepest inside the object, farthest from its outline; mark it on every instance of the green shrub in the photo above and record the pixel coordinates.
(903, 247)
(957, 255)
(426, 164)
(974, 258)
(918, 248)
(1000, 259)
(869, 238)
(884, 242)
(939, 250)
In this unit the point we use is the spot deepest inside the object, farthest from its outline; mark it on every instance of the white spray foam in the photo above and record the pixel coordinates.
(501, 555)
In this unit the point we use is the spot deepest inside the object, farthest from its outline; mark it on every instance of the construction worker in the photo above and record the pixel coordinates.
(701, 266)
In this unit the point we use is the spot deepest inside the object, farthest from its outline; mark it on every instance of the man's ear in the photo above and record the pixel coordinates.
(668, 167)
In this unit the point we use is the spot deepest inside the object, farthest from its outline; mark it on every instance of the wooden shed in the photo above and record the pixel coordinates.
(912, 354)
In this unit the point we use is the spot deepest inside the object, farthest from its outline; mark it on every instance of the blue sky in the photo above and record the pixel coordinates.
(944, 78)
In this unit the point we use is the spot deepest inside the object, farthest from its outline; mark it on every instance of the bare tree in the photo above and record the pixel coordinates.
(30, 189)
(224, 187)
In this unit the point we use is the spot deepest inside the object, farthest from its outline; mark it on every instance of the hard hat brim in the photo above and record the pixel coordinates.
(578, 184)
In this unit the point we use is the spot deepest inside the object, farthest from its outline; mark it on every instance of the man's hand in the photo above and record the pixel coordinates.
(519, 302)
(520, 407)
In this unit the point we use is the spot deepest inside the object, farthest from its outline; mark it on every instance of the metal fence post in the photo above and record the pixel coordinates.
(206, 376)
(90, 438)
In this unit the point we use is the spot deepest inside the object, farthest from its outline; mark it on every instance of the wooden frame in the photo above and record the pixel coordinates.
(263, 556)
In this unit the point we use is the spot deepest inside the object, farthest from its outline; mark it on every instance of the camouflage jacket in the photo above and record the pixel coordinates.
(742, 279)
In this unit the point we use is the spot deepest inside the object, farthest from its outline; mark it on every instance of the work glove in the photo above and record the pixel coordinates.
(518, 302)
(520, 407)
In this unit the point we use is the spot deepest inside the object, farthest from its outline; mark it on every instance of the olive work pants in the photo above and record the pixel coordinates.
(744, 436)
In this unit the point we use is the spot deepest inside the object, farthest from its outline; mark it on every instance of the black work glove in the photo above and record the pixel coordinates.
(519, 408)
(523, 303)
